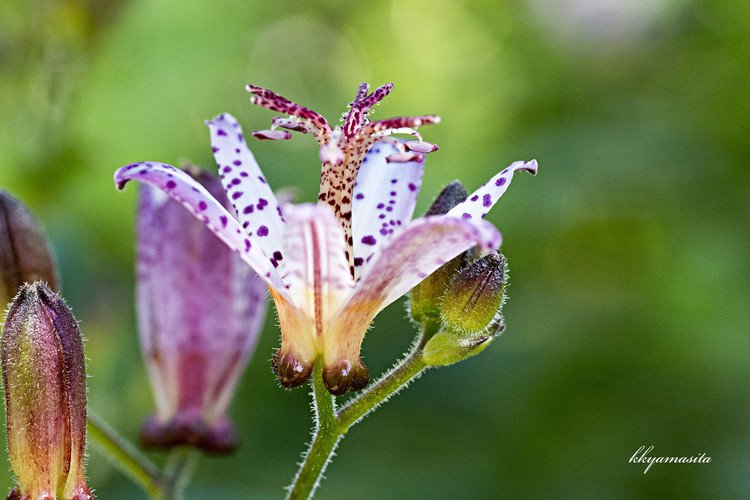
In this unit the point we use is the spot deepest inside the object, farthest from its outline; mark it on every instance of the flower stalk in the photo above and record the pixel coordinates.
(333, 424)
(160, 485)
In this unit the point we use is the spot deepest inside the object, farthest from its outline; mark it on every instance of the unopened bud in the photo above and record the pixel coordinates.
(425, 297)
(25, 255)
(44, 377)
(450, 346)
(475, 295)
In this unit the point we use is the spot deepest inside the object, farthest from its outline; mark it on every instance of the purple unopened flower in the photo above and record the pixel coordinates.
(200, 311)
(44, 377)
(332, 267)
(25, 254)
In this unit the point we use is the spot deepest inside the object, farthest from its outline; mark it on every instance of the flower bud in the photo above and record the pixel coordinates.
(475, 295)
(424, 299)
(200, 309)
(44, 377)
(450, 346)
(25, 255)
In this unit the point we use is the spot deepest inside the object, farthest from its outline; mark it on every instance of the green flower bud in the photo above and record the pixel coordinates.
(25, 255)
(450, 346)
(44, 377)
(424, 299)
(475, 295)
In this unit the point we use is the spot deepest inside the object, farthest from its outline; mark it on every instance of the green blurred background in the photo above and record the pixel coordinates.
(628, 310)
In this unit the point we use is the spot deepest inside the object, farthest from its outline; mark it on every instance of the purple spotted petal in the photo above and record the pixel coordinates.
(200, 308)
(415, 253)
(384, 198)
(481, 201)
(180, 186)
(317, 272)
(254, 203)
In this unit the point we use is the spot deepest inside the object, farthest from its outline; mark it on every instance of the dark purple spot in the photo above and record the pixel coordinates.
(393, 193)
(274, 262)
(237, 150)
(392, 202)
(202, 206)
(475, 197)
(500, 181)
(389, 209)
(235, 181)
(262, 231)
(262, 179)
(171, 184)
(236, 195)
(223, 220)
(237, 162)
(243, 174)
(394, 181)
(466, 216)
(358, 261)
(412, 187)
(277, 255)
(380, 205)
(381, 216)
(359, 196)
(248, 209)
(369, 240)
(227, 169)
(487, 200)
(383, 231)
(221, 132)
(214, 149)
(247, 245)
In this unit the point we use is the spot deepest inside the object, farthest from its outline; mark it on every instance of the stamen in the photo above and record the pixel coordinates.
(273, 101)
(404, 157)
(420, 146)
(399, 122)
(272, 135)
(293, 124)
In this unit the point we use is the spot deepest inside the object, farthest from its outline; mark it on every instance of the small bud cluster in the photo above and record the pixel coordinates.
(461, 301)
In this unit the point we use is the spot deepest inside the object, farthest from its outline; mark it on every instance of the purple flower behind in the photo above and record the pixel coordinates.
(200, 310)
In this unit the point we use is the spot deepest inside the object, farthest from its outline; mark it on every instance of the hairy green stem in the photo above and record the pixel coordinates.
(324, 440)
(124, 455)
(332, 425)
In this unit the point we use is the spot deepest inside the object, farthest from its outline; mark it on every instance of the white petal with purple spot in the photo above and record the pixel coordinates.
(248, 192)
(481, 201)
(415, 253)
(384, 198)
(181, 187)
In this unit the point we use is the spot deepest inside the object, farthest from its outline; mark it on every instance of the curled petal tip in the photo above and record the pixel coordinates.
(272, 135)
(532, 167)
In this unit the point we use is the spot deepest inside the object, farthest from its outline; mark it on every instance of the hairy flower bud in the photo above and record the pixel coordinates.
(424, 299)
(200, 309)
(25, 255)
(44, 377)
(451, 346)
(475, 294)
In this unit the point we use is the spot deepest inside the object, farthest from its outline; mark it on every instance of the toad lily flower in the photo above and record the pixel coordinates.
(200, 310)
(333, 266)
